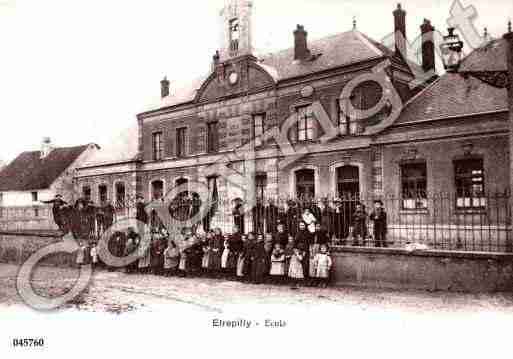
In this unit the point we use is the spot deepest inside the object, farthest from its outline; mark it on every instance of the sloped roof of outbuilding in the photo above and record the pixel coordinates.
(455, 95)
(123, 148)
(29, 171)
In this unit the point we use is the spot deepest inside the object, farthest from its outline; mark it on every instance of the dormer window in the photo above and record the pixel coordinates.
(234, 35)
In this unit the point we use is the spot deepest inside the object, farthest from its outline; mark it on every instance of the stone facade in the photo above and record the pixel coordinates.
(242, 86)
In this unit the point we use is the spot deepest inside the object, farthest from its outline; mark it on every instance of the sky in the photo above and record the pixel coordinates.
(79, 71)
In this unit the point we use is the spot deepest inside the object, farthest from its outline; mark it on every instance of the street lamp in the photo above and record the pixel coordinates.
(451, 49)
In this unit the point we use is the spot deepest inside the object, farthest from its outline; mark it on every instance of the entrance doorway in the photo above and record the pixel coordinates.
(348, 190)
(305, 184)
(348, 182)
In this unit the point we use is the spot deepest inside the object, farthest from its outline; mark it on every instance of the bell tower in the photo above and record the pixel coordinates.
(236, 22)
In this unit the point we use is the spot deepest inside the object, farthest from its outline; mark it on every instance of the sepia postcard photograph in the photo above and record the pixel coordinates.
(256, 179)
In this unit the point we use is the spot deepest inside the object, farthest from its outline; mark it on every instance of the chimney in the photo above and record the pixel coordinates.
(428, 46)
(46, 147)
(216, 59)
(400, 30)
(301, 51)
(164, 88)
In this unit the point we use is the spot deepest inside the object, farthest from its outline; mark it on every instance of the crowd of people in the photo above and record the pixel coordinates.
(298, 256)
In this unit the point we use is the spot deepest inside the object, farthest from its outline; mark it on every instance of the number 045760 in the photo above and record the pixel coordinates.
(28, 342)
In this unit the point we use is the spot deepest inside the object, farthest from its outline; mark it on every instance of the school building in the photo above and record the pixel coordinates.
(436, 152)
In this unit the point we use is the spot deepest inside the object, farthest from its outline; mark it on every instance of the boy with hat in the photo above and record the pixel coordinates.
(379, 217)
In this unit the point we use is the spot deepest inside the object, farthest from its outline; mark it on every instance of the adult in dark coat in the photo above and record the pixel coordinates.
(133, 241)
(337, 220)
(249, 247)
(293, 217)
(216, 251)
(108, 213)
(379, 217)
(141, 214)
(57, 211)
(359, 225)
(258, 213)
(79, 220)
(282, 214)
(259, 261)
(271, 217)
(238, 215)
(302, 242)
(157, 256)
(281, 236)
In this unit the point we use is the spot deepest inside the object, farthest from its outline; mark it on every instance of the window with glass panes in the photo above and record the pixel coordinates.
(157, 189)
(258, 128)
(86, 193)
(212, 137)
(469, 181)
(347, 122)
(260, 184)
(414, 185)
(157, 146)
(102, 193)
(120, 194)
(234, 34)
(305, 124)
(181, 137)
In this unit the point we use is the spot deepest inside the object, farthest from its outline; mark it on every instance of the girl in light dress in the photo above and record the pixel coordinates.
(205, 260)
(277, 264)
(323, 264)
(94, 255)
(81, 255)
(241, 260)
(225, 256)
(184, 246)
(296, 267)
(171, 259)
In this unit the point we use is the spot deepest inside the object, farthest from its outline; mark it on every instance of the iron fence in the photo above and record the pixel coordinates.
(441, 221)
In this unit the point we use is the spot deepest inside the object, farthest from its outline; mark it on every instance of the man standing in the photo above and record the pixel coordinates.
(379, 217)
(281, 235)
(57, 211)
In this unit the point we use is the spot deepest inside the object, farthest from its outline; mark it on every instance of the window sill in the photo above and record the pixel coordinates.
(414, 211)
(470, 211)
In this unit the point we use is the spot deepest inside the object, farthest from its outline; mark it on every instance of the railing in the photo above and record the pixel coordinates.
(442, 221)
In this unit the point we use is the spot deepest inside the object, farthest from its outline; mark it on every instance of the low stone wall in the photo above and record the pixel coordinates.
(364, 267)
(423, 270)
(17, 248)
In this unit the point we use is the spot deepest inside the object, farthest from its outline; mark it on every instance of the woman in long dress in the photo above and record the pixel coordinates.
(216, 251)
(145, 253)
(259, 261)
(171, 259)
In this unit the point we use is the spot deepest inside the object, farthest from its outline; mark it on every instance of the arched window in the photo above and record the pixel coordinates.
(305, 184)
(86, 193)
(348, 182)
(102, 193)
(234, 34)
(182, 182)
(120, 194)
(157, 189)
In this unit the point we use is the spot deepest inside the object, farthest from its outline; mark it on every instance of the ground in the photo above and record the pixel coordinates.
(117, 292)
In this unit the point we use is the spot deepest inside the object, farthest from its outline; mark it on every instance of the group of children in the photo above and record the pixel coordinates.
(299, 257)
(303, 259)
